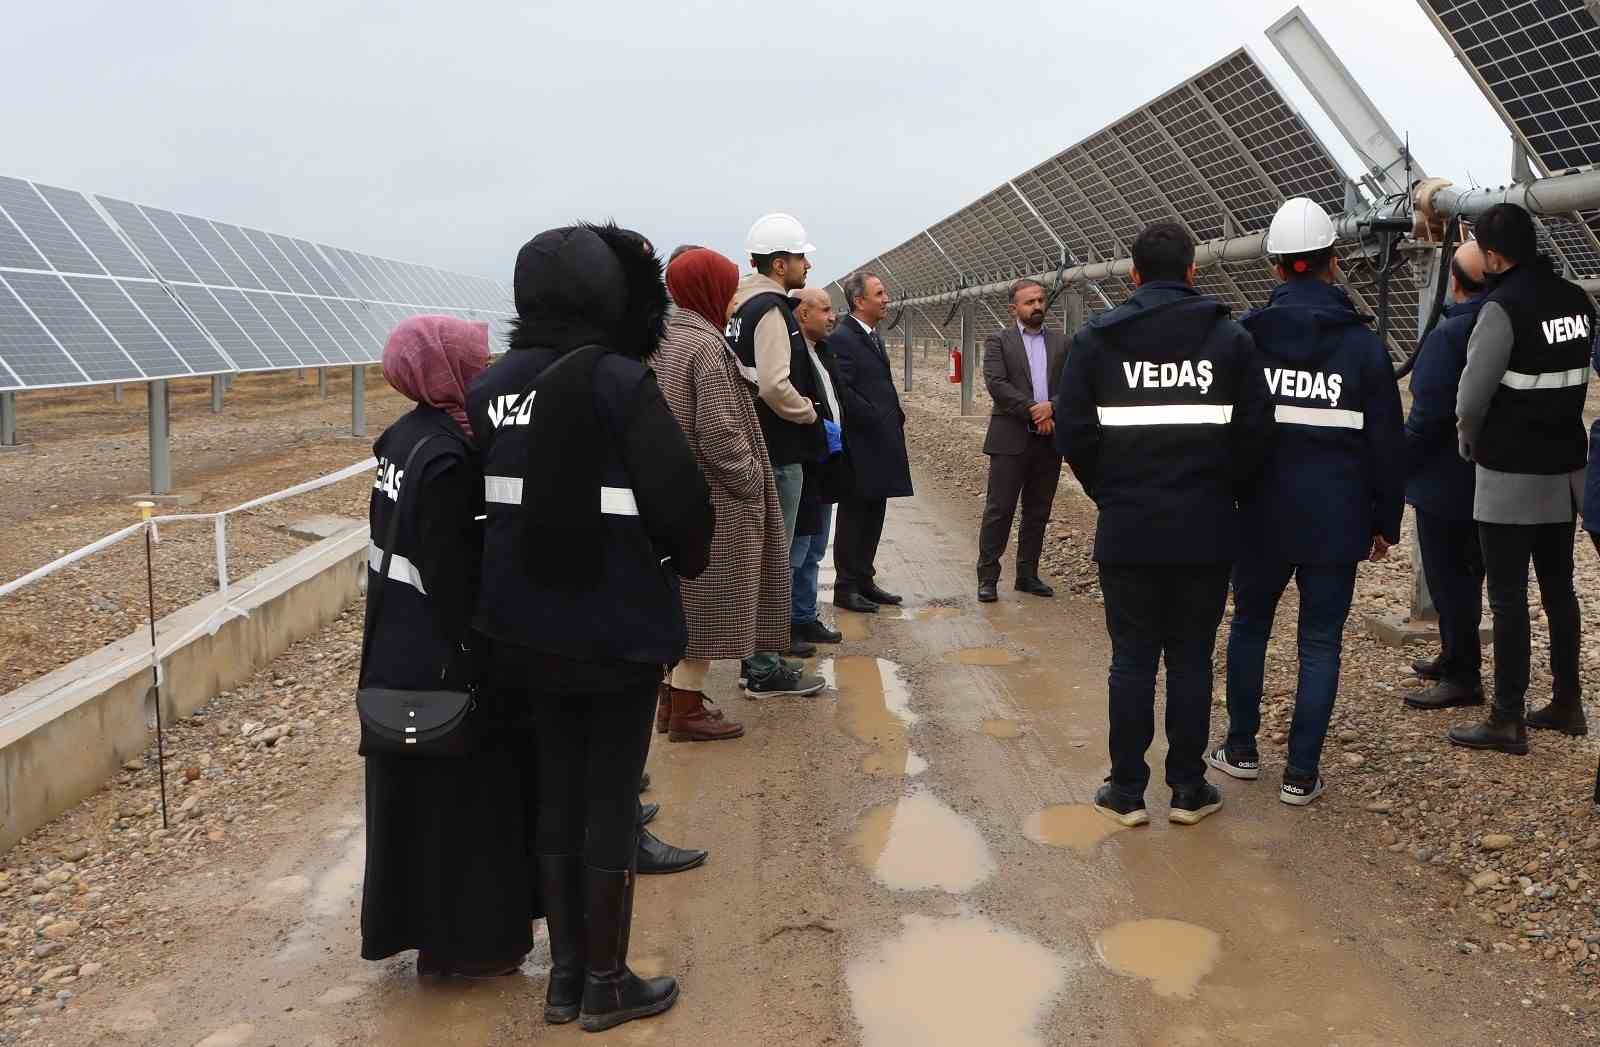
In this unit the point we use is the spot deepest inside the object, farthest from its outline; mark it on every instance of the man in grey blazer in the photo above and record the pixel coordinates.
(1021, 365)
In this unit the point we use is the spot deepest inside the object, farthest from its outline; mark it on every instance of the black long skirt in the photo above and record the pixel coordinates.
(450, 866)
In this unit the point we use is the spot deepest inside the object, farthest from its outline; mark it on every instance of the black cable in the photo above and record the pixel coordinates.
(1446, 255)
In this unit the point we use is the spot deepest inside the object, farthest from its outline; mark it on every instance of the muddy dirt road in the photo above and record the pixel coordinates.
(904, 861)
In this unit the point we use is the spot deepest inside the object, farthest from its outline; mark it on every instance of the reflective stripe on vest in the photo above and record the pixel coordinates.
(507, 490)
(1328, 417)
(1167, 414)
(1548, 380)
(401, 569)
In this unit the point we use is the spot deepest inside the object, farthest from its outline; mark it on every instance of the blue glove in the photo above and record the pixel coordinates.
(835, 438)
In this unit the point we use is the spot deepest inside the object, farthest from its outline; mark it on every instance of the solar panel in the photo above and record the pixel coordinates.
(154, 293)
(44, 228)
(1218, 154)
(74, 328)
(1538, 64)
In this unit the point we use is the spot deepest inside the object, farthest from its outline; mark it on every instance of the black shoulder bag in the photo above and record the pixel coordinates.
(429, 724)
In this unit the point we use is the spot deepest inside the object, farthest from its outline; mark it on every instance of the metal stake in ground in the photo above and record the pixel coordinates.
(145, 510)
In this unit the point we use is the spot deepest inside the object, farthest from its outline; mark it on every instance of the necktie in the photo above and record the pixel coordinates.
(877, 343)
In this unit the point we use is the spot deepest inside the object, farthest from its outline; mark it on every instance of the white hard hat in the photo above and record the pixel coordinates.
(778, 234)
(1300, 227)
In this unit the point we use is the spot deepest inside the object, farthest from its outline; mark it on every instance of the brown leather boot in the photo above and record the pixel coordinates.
(663, 706)
(692, 722)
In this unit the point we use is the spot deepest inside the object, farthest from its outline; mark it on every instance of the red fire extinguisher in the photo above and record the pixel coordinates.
(955, 366)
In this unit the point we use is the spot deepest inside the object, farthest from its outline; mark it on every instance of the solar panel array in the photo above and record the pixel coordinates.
(124, 292)
(1538, 63)
(1218, 153)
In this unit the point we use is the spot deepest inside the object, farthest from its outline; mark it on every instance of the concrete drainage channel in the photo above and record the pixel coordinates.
(65, 734)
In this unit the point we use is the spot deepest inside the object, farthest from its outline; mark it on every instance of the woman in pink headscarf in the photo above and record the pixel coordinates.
(447, 871)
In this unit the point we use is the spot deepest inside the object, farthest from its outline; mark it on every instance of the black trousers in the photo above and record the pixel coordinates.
(1452, 561)
(591, 753)
(1155, 611)
(1030, 477)
(1506, 551)
(858, 528)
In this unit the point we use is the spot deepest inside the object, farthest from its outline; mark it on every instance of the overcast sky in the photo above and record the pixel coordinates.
(450, 133)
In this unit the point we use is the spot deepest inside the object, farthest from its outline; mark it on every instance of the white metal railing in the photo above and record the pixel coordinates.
(231, 595)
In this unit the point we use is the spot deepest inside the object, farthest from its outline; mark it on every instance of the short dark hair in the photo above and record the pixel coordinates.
(683, 249)
(1308, 265)
(1508, 230)
(763, 262)
(1163, 251)
(1463, 279)
(855, 287)
(1021, 286)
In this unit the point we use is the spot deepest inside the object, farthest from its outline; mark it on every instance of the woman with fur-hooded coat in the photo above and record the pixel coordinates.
(595, 507)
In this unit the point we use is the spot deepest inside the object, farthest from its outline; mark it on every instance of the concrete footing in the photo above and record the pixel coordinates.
(1395, 631)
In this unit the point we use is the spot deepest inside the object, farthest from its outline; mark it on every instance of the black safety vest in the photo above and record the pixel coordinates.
(409, 649)
(632, 611)
(1535, 420)
(787, 442)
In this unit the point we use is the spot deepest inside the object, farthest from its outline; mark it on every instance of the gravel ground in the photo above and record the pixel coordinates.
(1492, 854)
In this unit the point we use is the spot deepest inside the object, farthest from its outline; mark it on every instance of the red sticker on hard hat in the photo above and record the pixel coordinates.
(1300, 265)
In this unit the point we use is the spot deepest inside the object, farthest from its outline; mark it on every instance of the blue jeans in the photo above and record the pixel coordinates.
(1325, 594)
(805, 560)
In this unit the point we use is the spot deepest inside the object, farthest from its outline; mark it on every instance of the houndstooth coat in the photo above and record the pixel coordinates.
(740, 605)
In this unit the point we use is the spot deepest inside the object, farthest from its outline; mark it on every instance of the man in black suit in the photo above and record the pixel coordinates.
(1021, 364)
(874, 441)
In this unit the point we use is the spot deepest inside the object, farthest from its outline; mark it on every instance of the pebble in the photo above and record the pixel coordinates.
(1496, 841)
(1486, 878)
(1354, 759)
(61, 929)
(1380, 806)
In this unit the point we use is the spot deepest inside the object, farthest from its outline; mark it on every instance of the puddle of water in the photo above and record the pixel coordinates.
(982, 656)
(232, 1036)
(875, 707)
(852, 626)
(1002, 728)
(920, 987)
(1075, 825)
(1172, 955)
(917, 614)
(921, 844)
(454, 1011)
(279, 890)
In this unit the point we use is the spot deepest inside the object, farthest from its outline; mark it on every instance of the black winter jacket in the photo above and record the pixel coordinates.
(1438, 481)
(1337, 474)
(1164, 418)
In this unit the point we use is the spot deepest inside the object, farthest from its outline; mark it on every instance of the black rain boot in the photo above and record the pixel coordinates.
(612, 994)
(1562, 714)
(561, 884)
(1502, 732)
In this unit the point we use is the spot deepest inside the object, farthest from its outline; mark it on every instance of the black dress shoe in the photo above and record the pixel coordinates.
(657, 858)
(647, 813)
(1564, 716)
(877, 595)
(1035, 585)
(850, 600)
(800, 647)
(815, 631)
(644, 781)
(988, 592)
(1446, 694)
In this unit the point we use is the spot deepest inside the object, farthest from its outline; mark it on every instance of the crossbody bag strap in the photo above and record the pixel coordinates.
(390, 538)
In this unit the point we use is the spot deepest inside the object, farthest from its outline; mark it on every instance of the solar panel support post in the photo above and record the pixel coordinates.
(116, 393)
(159, 411)
(217, 389)
(905, 331)
(358, 401)
(969, 354)
(322, 383)
(8, 419)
